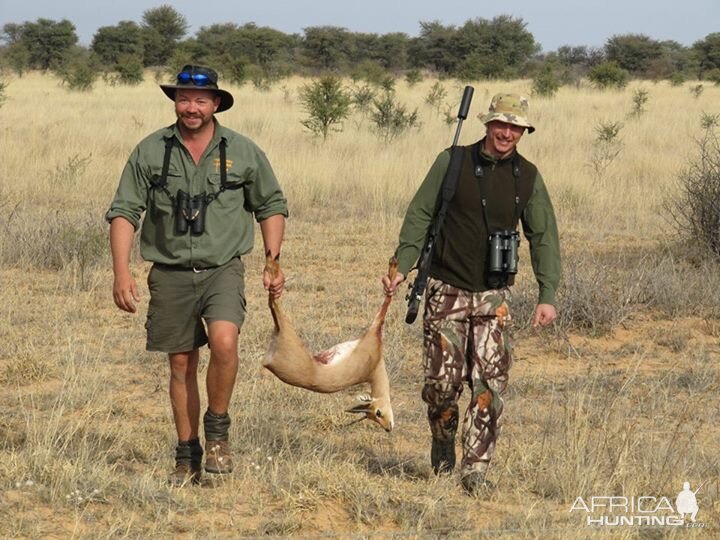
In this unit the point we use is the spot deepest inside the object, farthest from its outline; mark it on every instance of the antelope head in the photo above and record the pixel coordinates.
(377, 409)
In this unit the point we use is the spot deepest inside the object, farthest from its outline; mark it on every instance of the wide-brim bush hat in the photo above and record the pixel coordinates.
(509, 108)
(199, 78)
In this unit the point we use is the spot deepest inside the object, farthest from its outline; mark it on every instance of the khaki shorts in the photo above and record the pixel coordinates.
(181, 299)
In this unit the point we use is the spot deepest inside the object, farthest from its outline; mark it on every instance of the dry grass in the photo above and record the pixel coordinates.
(619, 400)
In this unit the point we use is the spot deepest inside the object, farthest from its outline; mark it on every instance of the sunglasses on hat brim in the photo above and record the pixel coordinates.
(197, 79)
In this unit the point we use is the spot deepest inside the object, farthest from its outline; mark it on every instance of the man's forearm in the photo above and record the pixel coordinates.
(273, 230)
(121, 239)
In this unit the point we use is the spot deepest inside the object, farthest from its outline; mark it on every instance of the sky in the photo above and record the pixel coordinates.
(553, 23)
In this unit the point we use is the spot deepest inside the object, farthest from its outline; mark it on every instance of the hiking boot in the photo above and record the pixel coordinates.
(184, 474)
(219, 457)
(442, 455)
(188, 463)
(474, 483)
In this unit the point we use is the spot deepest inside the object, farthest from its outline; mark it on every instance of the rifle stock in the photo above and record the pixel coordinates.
(449, 183)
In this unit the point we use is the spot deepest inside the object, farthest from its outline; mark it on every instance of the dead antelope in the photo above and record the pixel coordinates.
(338, 368)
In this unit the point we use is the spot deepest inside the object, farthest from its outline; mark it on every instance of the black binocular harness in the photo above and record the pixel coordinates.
(160, 182)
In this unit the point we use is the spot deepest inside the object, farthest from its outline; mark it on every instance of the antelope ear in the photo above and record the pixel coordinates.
(364, 398)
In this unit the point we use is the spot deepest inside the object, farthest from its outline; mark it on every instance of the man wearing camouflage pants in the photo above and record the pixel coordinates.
(466, 322)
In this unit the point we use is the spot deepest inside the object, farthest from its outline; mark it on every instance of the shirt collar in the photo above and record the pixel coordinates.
(488, 158)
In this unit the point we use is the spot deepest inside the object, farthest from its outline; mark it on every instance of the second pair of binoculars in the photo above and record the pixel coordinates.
(503, 252)
(190, 213)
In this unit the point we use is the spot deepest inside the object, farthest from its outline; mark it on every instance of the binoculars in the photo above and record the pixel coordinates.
(190, 213)
(503, 252)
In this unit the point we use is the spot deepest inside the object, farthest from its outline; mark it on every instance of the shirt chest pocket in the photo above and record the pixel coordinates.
(163, 193)
(232, 195)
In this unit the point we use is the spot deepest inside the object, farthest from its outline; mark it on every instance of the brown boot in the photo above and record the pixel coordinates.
(188, 463)
(219, 457)
(184, 474)
(475, 484)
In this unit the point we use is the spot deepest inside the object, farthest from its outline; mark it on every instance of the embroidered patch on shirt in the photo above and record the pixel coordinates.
(217, 164)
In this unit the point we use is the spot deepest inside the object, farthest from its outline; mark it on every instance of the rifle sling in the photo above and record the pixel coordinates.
(447, 192)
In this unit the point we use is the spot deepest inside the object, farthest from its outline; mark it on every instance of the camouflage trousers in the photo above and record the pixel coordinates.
(466, 339)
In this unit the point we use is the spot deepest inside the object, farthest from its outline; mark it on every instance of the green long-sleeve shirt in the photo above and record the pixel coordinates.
(229, 228)
(538, 221)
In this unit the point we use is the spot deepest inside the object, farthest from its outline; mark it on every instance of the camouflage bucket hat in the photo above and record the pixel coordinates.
(510, 108)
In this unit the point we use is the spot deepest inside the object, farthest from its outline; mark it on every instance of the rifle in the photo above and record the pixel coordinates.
(448, 190)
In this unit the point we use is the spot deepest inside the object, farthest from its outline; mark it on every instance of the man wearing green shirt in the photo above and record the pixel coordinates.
(466, 322)
(199, 185)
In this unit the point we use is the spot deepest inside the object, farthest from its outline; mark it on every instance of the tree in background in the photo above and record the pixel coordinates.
(433, 48)
(44, 44)
(634, 53)
(498, 47)
(110, 43)
(236, 48)
(162, 28)
(392, 50)
(326, 48)
(479, 49)
(576, 61)
(674, 61)
(14, 53)
(707, 54)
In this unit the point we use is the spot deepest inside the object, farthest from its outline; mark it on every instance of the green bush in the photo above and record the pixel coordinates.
(677, 79)
(362, 98)
(436, 96)
(545, 83)
(327, 104)
(391, 118)
(640, 99)
(258, 77)
(413, 77)
(370, 72)
(236, 71)
(608, 75)
(606, 148)
(129, 69)
(713, 75)
(79, 74)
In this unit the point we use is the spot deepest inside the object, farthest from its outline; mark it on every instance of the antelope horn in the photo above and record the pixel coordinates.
(360, 407)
